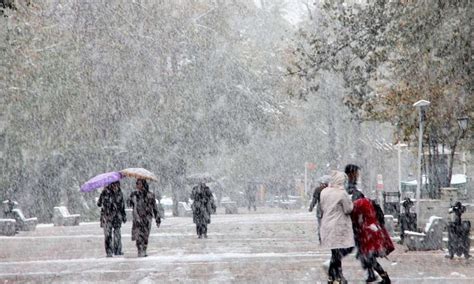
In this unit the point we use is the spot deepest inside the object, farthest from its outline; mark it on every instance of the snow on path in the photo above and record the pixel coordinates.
(255, 248)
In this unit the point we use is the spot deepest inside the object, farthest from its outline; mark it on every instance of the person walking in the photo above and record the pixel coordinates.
(144, 207)
(336, 224)
(323, 183)
(203, 206)
(251, 195)
(371, 237)
(112, 215)
(352, 172)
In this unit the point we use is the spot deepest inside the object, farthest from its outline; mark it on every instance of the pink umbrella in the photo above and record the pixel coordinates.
(101, 181)
(139, 173)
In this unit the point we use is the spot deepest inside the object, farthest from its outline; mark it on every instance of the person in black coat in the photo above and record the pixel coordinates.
(251, 195)
(143, 203)
(323, 183)
(352, 172)
(112, 215)
(203, 206)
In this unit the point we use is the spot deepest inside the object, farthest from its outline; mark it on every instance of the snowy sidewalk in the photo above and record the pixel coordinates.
(252, 248)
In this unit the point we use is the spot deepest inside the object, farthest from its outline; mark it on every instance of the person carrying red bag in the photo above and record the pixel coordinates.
(372, 239)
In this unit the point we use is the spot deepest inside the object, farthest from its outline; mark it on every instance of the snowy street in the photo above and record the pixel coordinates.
(117, 112)
(270, 247)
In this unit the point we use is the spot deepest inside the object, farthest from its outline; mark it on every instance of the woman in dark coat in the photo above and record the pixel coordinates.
(372, 238)
(144, 207)
(112, 215)
(323, 183)
(203, 205)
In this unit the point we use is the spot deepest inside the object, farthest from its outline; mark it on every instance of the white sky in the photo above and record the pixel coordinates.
(295, 11)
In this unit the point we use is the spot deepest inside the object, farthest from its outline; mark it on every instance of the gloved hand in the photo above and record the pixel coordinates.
(124, 220)
(373, 227)
(158, 223)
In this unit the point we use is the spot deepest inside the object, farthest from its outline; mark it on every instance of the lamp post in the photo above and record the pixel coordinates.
(399, 152)
(421, 105)
(462, 122)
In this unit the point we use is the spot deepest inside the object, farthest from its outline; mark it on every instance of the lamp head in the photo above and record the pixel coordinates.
(421, 103)
(463, 121)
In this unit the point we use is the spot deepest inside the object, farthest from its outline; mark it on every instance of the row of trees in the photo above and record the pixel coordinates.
(94, 86)
(185, 86)
(392, 54)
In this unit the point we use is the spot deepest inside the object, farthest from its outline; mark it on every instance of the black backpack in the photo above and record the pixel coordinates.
(379, 213)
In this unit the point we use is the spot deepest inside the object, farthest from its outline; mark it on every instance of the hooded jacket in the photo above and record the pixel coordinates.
(336, 207)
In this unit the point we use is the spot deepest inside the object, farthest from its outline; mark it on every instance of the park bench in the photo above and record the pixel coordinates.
(291, 205)
(22, 223)
(184, 210)
(430, 239)
(61, 217)
(7, 227)
(230, 207)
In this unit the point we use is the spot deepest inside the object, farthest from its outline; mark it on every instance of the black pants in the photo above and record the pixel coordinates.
(201, 229)
(335, 267)
(113, 239)
(370, 263)
(252, 203)
(142, 239)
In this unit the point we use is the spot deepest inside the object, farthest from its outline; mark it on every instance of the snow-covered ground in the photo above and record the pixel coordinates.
(270, 247)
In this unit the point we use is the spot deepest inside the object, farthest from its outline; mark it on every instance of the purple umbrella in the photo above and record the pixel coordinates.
(101, 181)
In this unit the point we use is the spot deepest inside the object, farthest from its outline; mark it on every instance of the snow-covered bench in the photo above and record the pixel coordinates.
(7, 227)
(61, 217)
(230, 207)
(22, 223)
(184, 210)
(291, 205)
(430, 239)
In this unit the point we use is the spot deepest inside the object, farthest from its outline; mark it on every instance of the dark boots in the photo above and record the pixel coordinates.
(385, 278)
(201, 231)
(370, 276)
(142, 250)
(204, 231)
(382, 273)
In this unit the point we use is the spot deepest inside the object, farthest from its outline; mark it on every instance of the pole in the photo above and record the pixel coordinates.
(420, 179)
(305, 179)
(399, 169)
(464, 170)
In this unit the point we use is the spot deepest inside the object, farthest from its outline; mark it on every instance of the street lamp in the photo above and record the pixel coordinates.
(399, 152)
(421, 105)
(462, 122)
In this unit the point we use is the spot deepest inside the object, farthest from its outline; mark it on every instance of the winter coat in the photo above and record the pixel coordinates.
(203, 204)
(315, 200)
(251, 192)
(354, 192)
(113, 208)
(144, 208)
(371, 236)
(336, 206)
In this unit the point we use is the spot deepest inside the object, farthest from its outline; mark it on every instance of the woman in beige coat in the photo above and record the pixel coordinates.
(336, 223)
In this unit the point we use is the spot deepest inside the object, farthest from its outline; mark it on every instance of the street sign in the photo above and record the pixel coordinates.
(379, 182)
(310, 166)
